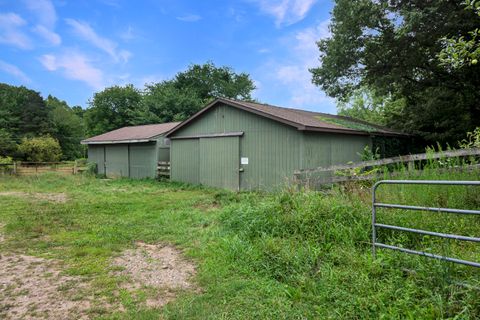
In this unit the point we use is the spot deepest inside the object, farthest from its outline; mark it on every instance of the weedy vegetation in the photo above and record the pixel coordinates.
(292, 254)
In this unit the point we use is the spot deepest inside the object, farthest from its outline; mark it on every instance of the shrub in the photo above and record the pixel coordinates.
(6, 160)
(40, 149)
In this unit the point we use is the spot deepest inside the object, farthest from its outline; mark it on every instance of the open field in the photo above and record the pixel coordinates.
(123, 249)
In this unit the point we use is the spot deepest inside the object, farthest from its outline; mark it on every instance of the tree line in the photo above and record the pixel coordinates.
(410, 65)
(36, 129)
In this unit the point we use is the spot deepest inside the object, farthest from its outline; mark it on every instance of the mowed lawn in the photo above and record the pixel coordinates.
(287, 255)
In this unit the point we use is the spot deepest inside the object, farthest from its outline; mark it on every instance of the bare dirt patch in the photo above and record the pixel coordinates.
(54, 197)
(206, 207)
(34, 288)
(158, 266)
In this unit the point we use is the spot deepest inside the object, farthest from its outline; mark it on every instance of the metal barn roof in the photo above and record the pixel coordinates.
(133, 134)
(302, 119)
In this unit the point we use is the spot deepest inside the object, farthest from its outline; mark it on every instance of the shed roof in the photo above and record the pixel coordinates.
(301, 119)
(133, 134)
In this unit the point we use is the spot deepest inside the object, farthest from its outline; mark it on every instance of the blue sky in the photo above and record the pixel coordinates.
(72, 49)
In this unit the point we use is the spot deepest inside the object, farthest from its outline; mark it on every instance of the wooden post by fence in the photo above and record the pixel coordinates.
(15, 167)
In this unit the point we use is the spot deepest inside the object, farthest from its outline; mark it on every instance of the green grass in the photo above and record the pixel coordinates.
(287, 255)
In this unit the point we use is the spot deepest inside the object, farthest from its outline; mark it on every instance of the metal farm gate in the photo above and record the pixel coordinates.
(376, 225)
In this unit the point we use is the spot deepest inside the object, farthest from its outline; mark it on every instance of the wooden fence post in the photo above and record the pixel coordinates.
(15, 167)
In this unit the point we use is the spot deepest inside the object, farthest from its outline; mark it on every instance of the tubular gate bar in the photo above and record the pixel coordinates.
(376, 225)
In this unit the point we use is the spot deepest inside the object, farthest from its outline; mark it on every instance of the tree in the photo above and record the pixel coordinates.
(7, 143)
(462, 51)
(113, 108)
(67, 128)
(210, 82)
(366, 104)
(23, 112)
(392, 47)
(40, 149)
(185, 94)
(167, 103)
(79, 111)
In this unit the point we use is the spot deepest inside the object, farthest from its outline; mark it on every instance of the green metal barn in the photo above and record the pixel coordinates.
(130, 151)
(244, 146)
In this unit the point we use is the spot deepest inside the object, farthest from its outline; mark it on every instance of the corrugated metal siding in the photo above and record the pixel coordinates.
(95, 155)
(272, 149)
(135, 160)
(143, 160)
(164, 154)
(325, 149)
(185, 160)
(116, 159)
(219, 162)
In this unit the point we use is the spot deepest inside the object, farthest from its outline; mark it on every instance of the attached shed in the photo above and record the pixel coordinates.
(243, 146)
(132, 152)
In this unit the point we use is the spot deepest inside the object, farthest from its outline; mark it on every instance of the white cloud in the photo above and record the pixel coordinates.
(289, 75)
(306, 40)
(75, 66)
(11, 33)
(189, 18)
(285, 12)
(44, 10)
(86, 32)
(47, 18)
(14, 71)
(52, 37)
(303, 56)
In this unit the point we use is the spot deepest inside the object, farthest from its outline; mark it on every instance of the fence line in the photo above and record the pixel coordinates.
(327, 174)
(399, 159)
(32, 168)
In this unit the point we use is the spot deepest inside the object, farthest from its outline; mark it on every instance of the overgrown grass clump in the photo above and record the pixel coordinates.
(315, 247)
(286, 255)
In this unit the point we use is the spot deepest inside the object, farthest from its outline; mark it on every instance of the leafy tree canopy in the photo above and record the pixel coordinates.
(67, 127)
(366, 104)
(188, 91)
(113, 108)
(22, 112)
(165, 102)
(392, 47)
(208, 82)
(462, 51)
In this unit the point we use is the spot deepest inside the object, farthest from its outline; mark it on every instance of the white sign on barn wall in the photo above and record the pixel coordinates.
(243, 160)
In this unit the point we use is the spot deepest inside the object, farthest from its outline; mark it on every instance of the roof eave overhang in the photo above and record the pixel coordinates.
(117, 141)
(210, 135)
(332, 130)
(355, 132)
